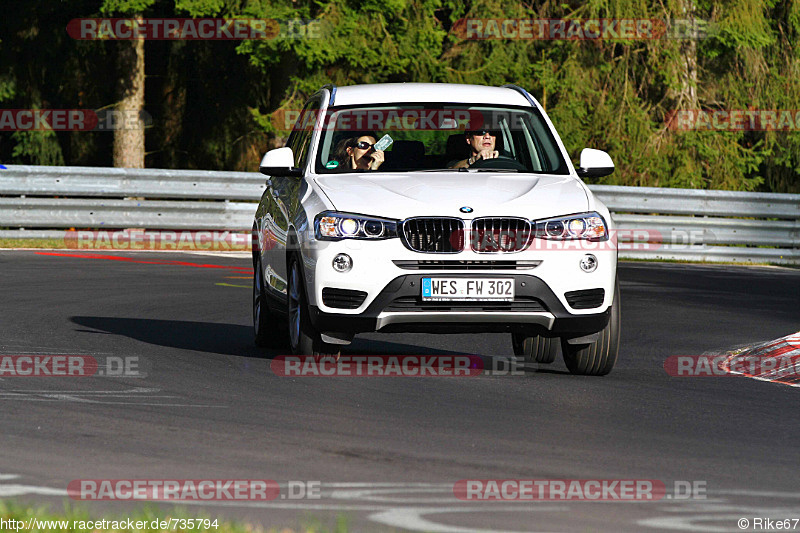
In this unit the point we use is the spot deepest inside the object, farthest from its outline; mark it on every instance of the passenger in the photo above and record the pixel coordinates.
(482, 146)
(357, 153)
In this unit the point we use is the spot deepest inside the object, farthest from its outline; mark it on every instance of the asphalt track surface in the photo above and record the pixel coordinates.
(388, 451)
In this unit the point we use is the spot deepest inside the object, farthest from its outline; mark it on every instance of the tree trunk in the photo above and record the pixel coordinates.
(686, 71)
(129, 135)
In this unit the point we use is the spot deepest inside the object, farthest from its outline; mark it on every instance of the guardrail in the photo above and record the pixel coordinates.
(701, 225)
(112, 198)
(655, 223)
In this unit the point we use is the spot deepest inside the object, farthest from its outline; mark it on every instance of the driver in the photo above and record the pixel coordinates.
(482, 146)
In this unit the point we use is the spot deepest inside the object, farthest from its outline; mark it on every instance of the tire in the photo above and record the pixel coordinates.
(303, 338)
(536, 349)
(269, 331)
(598, 358)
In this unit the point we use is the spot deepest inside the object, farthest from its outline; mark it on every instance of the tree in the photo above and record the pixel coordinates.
(214, 102)
(129, 147)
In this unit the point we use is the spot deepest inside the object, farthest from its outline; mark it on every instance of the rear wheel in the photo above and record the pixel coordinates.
(599, 357)
(269, 331)
(536, 349)
(304, 339)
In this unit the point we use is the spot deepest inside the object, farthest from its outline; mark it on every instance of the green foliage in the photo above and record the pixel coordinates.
(609, 94)
(197, 8)
(7, 87)
(612, 94)
(125, 7)
(37, 148)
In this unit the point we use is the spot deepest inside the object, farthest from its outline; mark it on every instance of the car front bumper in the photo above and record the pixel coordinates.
(399, 308)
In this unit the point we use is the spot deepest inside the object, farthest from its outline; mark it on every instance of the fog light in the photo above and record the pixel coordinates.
(342, 263)
(589, 263)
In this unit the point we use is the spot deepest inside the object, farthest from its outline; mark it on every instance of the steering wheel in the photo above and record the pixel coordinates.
(500, 162)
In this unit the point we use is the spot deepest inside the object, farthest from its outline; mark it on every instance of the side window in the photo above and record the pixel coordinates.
(300, 140)
(291, 140)
(302, 149)
(549, 156)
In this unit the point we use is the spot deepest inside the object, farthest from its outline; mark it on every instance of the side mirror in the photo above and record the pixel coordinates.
(279, 162)
(595, 164)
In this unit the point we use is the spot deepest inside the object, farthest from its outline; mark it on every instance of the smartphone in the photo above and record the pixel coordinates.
(385, 142)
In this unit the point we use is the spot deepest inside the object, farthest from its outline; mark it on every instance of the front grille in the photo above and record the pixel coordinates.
(455, 264)
(414, 303)
(434, 235)
(343, 298)
(491, 234)
(588, 299)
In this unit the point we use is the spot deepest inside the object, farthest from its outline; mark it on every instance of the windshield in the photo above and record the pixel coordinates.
(431, 137)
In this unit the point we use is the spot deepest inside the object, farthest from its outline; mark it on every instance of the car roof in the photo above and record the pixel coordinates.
(387, 93)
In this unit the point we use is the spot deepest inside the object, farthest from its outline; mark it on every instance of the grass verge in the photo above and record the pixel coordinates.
(690, 262)
(32, 243)
(30, 519)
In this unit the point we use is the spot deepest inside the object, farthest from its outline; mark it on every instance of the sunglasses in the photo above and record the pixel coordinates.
(363, 145)
(481, 133)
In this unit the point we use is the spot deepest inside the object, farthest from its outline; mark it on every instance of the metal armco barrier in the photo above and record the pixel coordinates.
(121, 182)
(701, 225)
(654, 223)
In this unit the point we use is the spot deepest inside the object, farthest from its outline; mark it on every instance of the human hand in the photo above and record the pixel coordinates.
(486, 153)
(377, 159)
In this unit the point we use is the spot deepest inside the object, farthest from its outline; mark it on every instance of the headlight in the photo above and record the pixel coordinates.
(587, 226)
(333, 226)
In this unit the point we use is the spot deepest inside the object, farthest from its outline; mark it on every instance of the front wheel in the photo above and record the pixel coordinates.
(268, 331)
(599, 357)
(304, 339)
(536, 349)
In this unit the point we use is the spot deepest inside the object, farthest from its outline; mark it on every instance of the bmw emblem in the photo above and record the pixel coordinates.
(466, 209)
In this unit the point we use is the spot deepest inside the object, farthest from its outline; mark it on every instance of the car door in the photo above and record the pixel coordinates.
(284, 199)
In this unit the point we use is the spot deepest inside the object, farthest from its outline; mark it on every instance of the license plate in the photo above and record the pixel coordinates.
(467, 289)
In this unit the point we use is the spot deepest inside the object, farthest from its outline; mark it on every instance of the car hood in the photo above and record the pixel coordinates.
(404, 195)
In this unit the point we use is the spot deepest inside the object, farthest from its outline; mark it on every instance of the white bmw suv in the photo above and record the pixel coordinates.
(434, 208)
